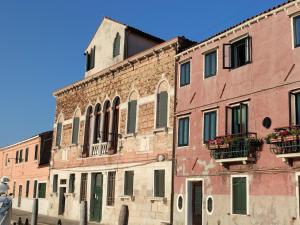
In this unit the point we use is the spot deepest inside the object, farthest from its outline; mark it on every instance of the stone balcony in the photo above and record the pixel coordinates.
(99, 149)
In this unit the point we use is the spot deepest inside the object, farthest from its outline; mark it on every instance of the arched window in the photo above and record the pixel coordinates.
(162, 105)
(131, 114)
(75, 127)
(116, 46)
(96, 138)
(59, 128)
(106, 113)
(115, 124)
(87, 131)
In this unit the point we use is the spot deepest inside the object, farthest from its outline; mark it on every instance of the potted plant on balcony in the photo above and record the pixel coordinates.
(272, 138)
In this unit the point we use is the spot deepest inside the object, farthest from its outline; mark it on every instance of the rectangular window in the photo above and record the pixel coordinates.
(35, 188)
(58, 134)
(36, 151)
(21, 156)
(159, 183)
(26, 154)
(184, 74)
(237, 53)
(55, 183)
(131, 120)
(75, 130)
(239, 195)
(90, 59)
(210, 126)
(297, 107)
(17, 157)
(72, 183)
(128, 183)
(296, 31)
(183, 131)
(162, 109)
(83, 186)
(42, 190)
(6, 159)
(239, 119)
(210, 64)
(111, 180)
(14, 189)
(27, 188)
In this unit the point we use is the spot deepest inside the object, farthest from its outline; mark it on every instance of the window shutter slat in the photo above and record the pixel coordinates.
(227, 56)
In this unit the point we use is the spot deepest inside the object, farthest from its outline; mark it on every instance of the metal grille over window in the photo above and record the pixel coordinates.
(111, 180)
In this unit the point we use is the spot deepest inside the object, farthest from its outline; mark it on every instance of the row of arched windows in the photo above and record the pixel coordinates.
(102, 121)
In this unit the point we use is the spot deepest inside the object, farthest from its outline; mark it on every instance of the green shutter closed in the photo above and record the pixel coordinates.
(75, 130)
(162, 109)
(128, 186)
(239, 192)
(159, 183)
(58, 134)
(131, 121)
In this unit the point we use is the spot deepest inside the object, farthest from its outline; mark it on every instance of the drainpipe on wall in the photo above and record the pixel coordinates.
(174, 140)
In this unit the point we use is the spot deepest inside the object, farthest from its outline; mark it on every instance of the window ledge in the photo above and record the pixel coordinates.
(161, 129)
(70, 194)
(130, 135)
(127, 197)
(158, 199)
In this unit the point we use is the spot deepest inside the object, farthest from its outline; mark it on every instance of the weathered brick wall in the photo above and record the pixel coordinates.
(144, 77)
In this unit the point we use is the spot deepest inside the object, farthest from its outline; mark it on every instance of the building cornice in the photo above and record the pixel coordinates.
(131, 61)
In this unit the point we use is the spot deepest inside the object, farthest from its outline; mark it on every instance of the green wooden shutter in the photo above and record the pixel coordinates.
(58, 134)
(131, 121)
(159, 183)
(162, 109)
(75, 130)
(239, 192)
(128, 186)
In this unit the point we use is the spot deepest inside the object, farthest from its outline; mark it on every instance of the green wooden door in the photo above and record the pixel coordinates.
(197, 203)
(96, 197)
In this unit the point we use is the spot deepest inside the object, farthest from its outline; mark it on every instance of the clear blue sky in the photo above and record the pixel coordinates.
(42, 45)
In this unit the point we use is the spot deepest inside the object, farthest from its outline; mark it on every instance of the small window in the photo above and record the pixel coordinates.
(21, 156)
(26, 154)
(131, 119)
(55, 183)
(210, 125)
(180, 203)
(63, 181)
(159, 183)
(209, 205)
(184, 74)
(210, 64)
(36, 151)
(183, 131)
(295, 108)
(239, 195)
(72, 183)
(58, 134)
(17, 157)
(296, 31)
(75, 130)
(83, 186)
(162, 109)
(240, 119)
(90, 59)
(128, 183)
(42, 190)
(111, 182)
(27, 188)
(35, 188)
(116, 46)
(237, 53)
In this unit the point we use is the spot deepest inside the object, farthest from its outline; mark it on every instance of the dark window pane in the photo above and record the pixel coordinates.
(55, 183)
(34, 188)
(26, 154)
(210, 64)
(239, 195)
(184, 74)
(58, 134)
(36, 152)
(75, 130)
(297, 98)
(83, 187)
(131, 121)
(209, 126)
(241, 52)
(72, 183)
(183, 132)
(27, 188)
(297, 31)
(128, 183)
(116, 46)
(162, 109)
(111, 181)
(42, 190)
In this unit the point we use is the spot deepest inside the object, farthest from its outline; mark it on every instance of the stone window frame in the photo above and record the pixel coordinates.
(292, 18)
(247, 194)
(157, 91)
(206, 206)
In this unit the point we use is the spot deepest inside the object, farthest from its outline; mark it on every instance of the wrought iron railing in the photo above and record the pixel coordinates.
(99, 149)
(235, 146)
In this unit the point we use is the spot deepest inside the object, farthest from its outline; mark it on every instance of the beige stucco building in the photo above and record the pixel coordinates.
(113, 130)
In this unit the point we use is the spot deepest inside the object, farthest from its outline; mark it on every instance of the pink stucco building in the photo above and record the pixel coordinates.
(233, 90)
(26, 164)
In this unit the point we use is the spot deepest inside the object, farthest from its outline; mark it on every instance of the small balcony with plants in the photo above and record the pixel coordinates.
(236, 148)
(285, 143)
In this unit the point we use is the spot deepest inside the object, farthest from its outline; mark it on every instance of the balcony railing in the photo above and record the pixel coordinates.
(99, 149)
(235, 148)
(285, 142)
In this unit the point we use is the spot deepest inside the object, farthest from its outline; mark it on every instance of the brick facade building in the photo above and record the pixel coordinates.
(114, 129)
